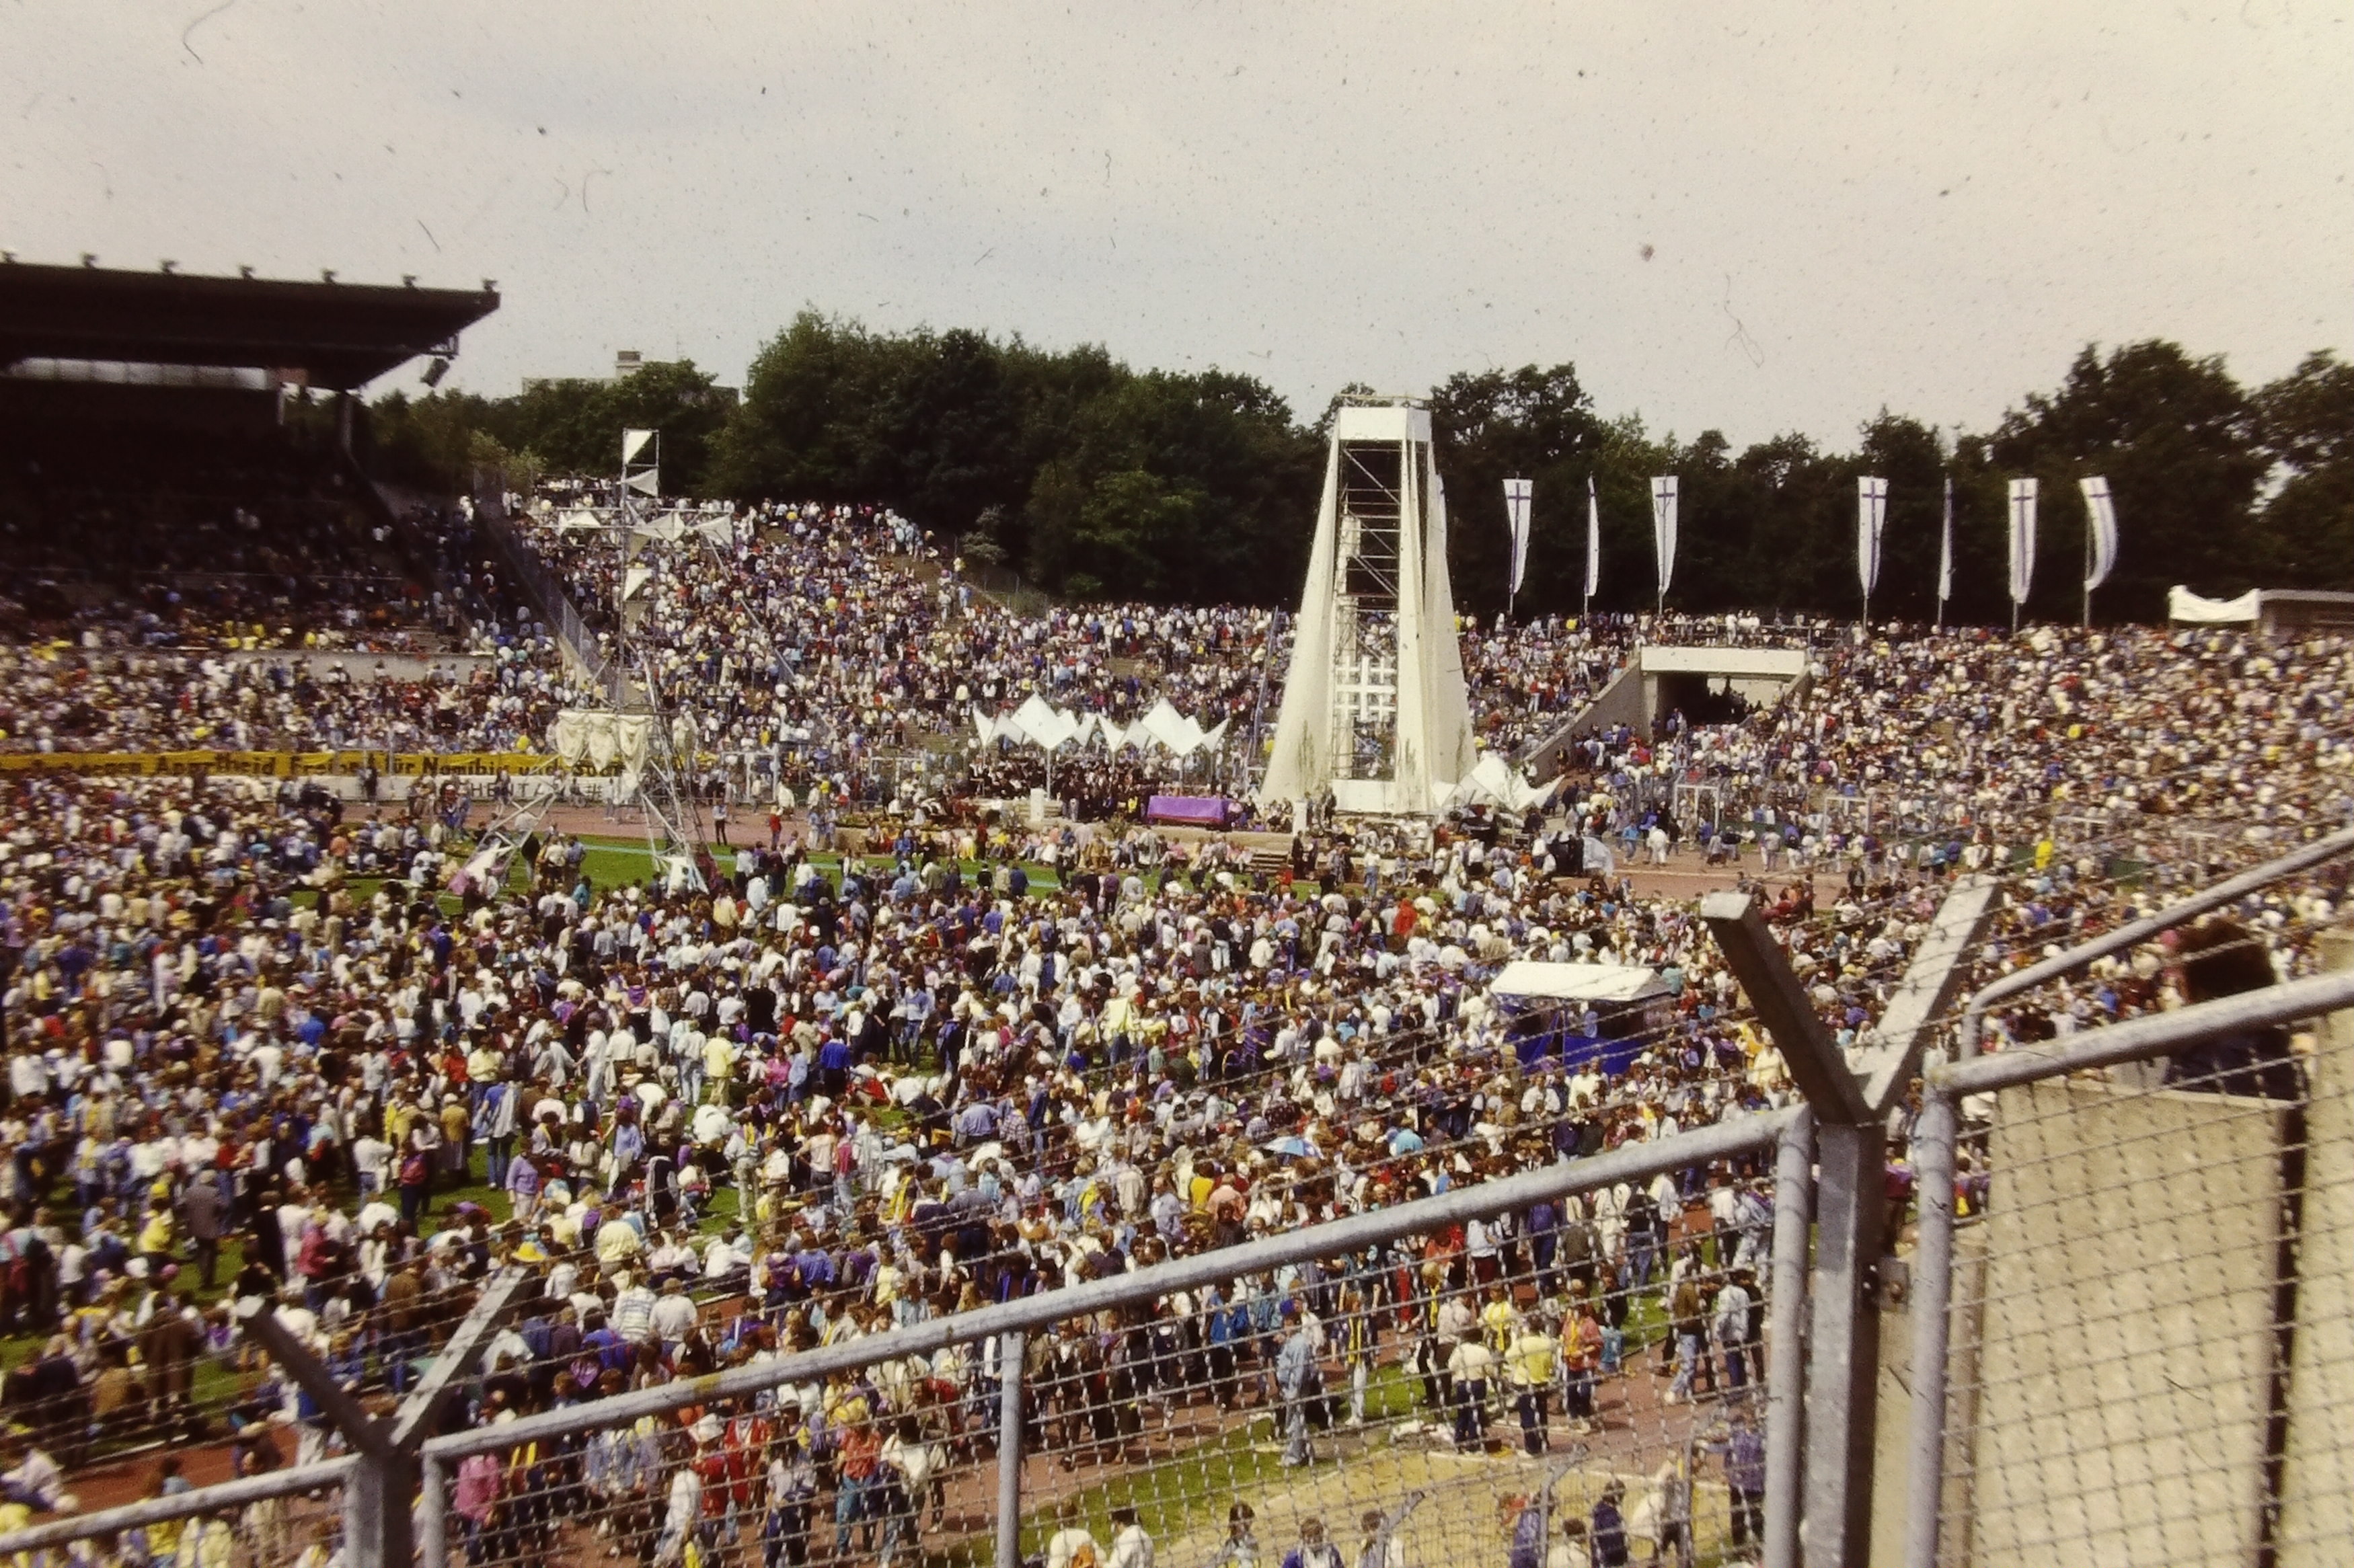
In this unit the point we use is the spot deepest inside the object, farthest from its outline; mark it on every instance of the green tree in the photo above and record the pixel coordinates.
(575, 426)
(2307, 422)
(427, 441)
(1533, 424)
(1907, 454)
(2176, 438)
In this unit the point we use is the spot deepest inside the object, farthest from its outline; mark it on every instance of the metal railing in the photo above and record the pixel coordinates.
(546, 590)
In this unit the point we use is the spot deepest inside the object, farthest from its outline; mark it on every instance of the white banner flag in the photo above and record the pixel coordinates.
(2023, 538)
(1946, 548)
(1663, 528)
(2101, 517)
(1593, 539)
(1517, 493)
(1870, 516)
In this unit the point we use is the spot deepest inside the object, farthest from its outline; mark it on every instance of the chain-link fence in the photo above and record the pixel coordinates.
(2128, 1343)
(261, 1513)
(1456, 1377)
(2116, 1321)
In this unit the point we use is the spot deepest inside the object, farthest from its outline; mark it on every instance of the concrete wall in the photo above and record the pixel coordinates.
(1623, 700)
(1779, 665)
(1763, 675)
(1890, 1459)
(2126, 1347)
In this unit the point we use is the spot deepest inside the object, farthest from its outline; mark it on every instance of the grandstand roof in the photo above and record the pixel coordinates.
(340, 334)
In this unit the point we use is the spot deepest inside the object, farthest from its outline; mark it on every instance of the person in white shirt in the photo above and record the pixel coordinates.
(673, 1316)
(368, 1154)
(1069, 1542)
(633, 1310)
(685, 1512)
(1131, 1546)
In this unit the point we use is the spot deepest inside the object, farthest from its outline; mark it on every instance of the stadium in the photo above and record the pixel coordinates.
(960, 955)
(524, 1097)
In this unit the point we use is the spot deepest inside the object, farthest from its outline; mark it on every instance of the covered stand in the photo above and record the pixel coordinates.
(1579, 1014)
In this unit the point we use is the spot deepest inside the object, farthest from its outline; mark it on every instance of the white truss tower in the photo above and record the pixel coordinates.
(1374, 713)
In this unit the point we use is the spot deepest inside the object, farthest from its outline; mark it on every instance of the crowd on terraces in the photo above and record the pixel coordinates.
(806, 1103)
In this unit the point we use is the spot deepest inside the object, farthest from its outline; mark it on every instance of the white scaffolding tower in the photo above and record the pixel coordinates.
(1375, 715)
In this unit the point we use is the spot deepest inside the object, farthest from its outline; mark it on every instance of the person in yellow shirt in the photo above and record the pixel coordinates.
(156, 1240)
(1499, 1321)
(457, 1127)
(1529, 1364)
(719, 1066)
(400, 1116)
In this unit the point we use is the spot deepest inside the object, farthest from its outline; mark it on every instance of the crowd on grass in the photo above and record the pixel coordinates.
(258, 1047)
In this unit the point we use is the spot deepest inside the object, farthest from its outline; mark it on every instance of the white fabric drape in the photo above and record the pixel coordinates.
(1870, 516)
(1517, 495)
(1593, 539)
(2023, 538)
(2101, 516)
(1946, 548)
(2183, 605)
(1663, 529)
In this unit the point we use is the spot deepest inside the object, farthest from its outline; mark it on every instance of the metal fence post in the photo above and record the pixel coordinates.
(376, 1531)
(1850, 1157)
(375, 1498)
(1008, 1450)
(1932, 1297)
(376, 1527)
(1786, 1430)
(432, 1515)
(1843, 1352)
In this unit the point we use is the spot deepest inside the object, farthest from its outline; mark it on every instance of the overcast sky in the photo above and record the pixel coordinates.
(1755, 216)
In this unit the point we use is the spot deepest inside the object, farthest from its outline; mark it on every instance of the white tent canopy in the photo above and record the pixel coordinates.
(1038, 722)
(2181, 604)
(1528, 979)
(1494, 782)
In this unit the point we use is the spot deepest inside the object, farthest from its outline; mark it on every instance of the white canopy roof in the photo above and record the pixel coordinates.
(2181, 604)
(1576, 982)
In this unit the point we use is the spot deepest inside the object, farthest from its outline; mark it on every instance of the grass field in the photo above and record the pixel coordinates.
(1182, 1501)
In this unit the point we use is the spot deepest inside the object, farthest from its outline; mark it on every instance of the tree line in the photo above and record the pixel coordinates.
(1098, 480)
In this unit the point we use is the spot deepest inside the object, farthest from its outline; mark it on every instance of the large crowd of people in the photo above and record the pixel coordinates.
(259, 1046)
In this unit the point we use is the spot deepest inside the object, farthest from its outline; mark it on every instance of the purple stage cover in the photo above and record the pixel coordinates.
(1194, 811)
